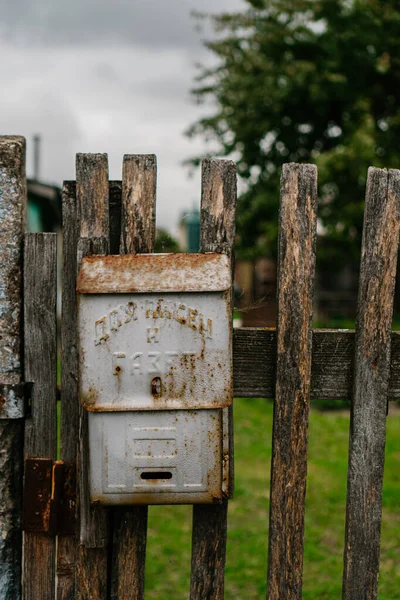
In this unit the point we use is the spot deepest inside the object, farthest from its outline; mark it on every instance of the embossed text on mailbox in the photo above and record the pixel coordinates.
(155, 332)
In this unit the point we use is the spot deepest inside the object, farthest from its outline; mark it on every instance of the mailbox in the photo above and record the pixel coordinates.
(155, 370)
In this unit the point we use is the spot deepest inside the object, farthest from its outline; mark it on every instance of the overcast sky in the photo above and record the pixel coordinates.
(105, 76)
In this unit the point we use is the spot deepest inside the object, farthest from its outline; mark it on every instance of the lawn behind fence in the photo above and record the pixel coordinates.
(168, 557)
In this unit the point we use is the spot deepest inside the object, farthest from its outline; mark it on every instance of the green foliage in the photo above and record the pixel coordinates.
(165, 242)
(305, 81)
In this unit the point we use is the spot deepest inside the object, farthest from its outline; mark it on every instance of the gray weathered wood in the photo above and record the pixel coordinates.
(217, 234)
(40, 359)
(137, 236)
(12, 208)
(115, 195)
(92, 193)
(129, 553)
(296, 266)
(138, 227)
(371, 379)
(66, 546)
(331, 370)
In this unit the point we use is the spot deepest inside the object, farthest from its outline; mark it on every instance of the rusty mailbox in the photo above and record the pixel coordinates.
(155, 370)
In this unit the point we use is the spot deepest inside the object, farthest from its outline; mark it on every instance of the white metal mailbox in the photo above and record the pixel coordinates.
(155, 370)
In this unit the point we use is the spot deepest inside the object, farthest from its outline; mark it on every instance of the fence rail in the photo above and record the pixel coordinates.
(105, 556)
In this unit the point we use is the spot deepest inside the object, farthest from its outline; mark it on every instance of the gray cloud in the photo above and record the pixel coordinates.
(63, 78)
(148, 23)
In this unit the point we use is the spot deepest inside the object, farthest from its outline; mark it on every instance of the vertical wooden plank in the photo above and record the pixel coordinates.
(115, 190)
(12, 208)
(371, 381)
(66, 547)
(139, 180)
(137, 235)
(93, 217)
(40, 345)
(296, 266)
(92, 195)
(217, 234)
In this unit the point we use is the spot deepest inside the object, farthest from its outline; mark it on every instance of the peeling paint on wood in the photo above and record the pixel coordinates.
(12, 223)
(296, 267)
(371, 382)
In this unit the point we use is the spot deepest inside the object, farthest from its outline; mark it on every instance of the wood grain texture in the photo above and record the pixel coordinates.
(92, 197)
(69, 351)
(331, 368)
(296, 267)
(138, 226)
(91, 576)
(137, 236)
(371, 379)
(40, 350)
(115, 209)
(92, 194)
(66, 546)
(129, 553)
(12, 209)
(210, 523)
(217, 234)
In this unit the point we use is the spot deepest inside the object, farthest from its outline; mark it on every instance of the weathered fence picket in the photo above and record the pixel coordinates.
(101, 554)
(40, 358)
(67, 547)
(137, 234)
(93, 217)
(12, 225)
(296, 266)
(371, 382)
(217, 234)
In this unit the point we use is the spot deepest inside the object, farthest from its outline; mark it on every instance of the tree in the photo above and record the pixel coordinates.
(306, 81)
(165, 242)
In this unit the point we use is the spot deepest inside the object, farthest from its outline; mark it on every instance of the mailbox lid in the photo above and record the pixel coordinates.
(155, 351)
(146, 273)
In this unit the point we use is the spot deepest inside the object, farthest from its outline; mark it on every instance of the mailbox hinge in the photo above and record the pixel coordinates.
(49, 497)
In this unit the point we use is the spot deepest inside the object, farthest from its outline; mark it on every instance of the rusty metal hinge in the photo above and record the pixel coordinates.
(49, 497)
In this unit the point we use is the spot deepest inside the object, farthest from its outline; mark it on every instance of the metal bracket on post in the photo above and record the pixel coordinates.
(14, 400)
(49, 497)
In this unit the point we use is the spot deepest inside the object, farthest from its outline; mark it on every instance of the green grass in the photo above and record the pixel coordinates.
(168, 559)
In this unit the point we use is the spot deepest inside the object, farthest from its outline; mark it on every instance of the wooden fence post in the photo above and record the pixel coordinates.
(218, 212)
(12, 224)
(40, 343)
(66, 547)
(93, 218)
(139, 177)
(371, 384)
(296, 266)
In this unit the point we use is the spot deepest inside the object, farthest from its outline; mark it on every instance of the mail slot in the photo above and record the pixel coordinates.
(155, 370)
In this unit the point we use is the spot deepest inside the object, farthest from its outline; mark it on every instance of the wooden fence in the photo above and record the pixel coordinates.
(93, 553)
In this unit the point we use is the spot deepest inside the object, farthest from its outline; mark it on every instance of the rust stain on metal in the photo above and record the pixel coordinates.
(89, 399)
(145, 273)
(37, 495)
(49, 497)
(156, 387)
